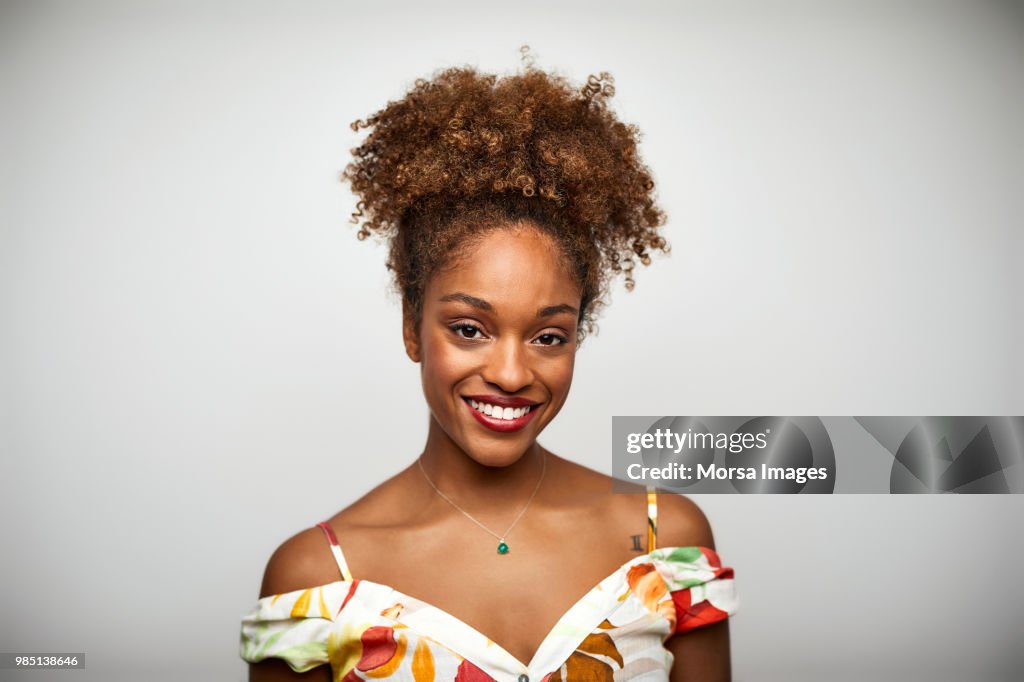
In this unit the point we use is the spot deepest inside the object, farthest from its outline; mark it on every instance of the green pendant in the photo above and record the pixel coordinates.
(502, 548)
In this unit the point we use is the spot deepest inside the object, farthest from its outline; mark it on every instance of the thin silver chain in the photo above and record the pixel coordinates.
(501, 538)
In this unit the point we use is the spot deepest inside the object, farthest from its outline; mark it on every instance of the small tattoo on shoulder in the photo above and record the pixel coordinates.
(636, 543)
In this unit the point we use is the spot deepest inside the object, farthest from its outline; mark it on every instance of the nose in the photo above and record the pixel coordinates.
(508, 367)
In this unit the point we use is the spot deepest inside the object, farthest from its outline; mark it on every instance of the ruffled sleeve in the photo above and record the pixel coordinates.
(702, 590)
(293, 626)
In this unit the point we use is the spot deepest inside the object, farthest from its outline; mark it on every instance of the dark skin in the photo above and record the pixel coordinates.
(500, 321)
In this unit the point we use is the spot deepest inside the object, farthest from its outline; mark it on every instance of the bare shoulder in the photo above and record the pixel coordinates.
(579, 482)
(303, 560)
(681, 523)
(618, 507)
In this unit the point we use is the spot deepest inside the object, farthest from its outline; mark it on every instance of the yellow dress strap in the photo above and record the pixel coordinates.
(652, 519)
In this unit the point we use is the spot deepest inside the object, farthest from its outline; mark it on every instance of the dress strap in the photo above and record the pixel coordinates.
(652, 519)
(336, 550)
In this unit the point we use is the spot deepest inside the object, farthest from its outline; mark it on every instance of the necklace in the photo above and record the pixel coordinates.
(502, 545)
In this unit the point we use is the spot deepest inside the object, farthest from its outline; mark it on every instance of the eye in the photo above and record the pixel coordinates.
(551, 340)
(467, 331)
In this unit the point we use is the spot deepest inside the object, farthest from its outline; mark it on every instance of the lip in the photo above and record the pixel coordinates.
(503, 401)
(502, 425)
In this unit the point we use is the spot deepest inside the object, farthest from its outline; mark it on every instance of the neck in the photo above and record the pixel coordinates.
(478, 487)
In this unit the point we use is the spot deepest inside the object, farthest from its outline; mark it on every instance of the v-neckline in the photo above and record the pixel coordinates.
(427, 616)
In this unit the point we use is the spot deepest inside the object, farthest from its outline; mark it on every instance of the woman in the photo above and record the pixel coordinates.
(509, 204)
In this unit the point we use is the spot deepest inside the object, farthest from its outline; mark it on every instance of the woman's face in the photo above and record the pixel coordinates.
(497, 343)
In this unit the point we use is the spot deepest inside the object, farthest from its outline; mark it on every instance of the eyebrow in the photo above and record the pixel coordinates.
(556, 309)
(471, 300)
(484, 305)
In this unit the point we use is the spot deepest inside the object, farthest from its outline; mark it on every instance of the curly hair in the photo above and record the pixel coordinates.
(463, 152)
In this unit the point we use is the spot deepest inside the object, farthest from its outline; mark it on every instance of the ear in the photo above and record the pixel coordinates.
(410, 335)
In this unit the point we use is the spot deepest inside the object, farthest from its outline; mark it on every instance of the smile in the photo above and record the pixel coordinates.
(501, 418)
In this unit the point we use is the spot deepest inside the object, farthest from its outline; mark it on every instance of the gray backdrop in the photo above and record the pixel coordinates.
(199, 358)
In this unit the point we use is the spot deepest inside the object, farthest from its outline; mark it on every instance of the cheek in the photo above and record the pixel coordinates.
(441, 364)
(558, 375)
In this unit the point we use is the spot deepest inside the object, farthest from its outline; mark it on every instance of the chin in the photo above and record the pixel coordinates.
(492, 456)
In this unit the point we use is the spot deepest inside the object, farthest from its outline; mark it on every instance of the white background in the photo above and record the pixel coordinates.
(199, 359)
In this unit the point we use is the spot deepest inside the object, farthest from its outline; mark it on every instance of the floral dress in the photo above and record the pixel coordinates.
(369, 631)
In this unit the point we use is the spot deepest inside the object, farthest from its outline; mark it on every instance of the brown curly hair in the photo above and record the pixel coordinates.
(464, 151)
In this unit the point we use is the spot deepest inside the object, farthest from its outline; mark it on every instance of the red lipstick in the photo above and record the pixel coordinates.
(501, 400)
(496, 423)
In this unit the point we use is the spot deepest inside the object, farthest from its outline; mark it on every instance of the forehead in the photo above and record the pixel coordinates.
(511, 265)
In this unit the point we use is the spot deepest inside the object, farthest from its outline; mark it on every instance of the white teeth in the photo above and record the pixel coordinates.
(500, 412)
